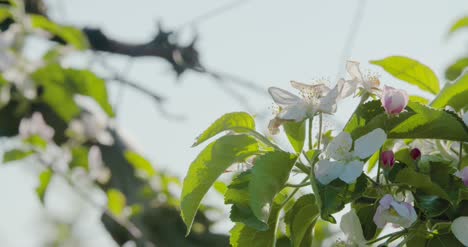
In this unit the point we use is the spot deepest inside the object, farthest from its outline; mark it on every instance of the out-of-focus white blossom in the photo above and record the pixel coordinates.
(35, 126)
(93, 123)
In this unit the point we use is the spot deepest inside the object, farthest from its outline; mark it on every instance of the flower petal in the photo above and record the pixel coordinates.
(327, 104)
(297, 112)
(339, 147)
(327, 171)
(346, 88)
(283, 98)
(351, 227)
(367, 145)
(378, 218)
(351, 171)
(386, 201)
(394, 100)
(316, 89)
(353, 70)
(460, 230)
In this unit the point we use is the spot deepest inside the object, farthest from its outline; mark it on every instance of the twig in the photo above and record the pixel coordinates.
(126, 224)
(228, 77)
(211, 13)
(352, 34)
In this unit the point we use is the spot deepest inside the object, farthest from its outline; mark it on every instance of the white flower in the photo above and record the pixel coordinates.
(460, 229)
(315, 98)
(340, 162)
(369, 83)
(97, 169)
(35, 126)
(93, 123)
(351, 227)
(392, 211)
(7, 39)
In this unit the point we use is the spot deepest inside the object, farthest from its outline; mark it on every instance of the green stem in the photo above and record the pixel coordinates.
(386, 236)
(302, 167)
(443, 151)
(379, 165)
(313, 182)
(298, 185)
(310, 133)
(257, 135)
(292, 194)
(460, 152)
(320, 131)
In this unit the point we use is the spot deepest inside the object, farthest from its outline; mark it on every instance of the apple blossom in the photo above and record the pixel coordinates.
(315, 98)
(392, 211)
(35, 126)
(97, 169)
(460, 230)
(388, 159)
(463, 174)
(394, 100)
(368, 83)
(340, 162)
(351, 227)
(92, 124)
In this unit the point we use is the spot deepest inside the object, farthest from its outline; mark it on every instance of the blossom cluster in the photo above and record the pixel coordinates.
(343, 158)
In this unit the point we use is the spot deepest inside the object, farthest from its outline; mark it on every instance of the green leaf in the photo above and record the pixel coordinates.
(454, 94)
(418, 99)
(80, 157)
(363, 115)
(44, 181)
(301, 218)
(456, 69)
(373, 160)
(208, 166)
(239, 122)
(68, 34)
(116, 202)
(140, 163)
(238, 195)
(16, 154)
(36, 141)
(404, 156)
(220, 187)
(337, 194)
(366, 213)
(411, 71)
(60, 85)
(421, 182)
(269, 174)
(4, 14)
(459, 24)
(244, 236)
(296, 134)
(431, 205)
(418, 121)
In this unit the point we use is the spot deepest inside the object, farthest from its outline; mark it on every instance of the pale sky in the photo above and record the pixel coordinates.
(268, 42)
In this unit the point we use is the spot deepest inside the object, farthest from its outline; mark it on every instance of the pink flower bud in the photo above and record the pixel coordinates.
(394, 100)
(415, 153)
(388, 159)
